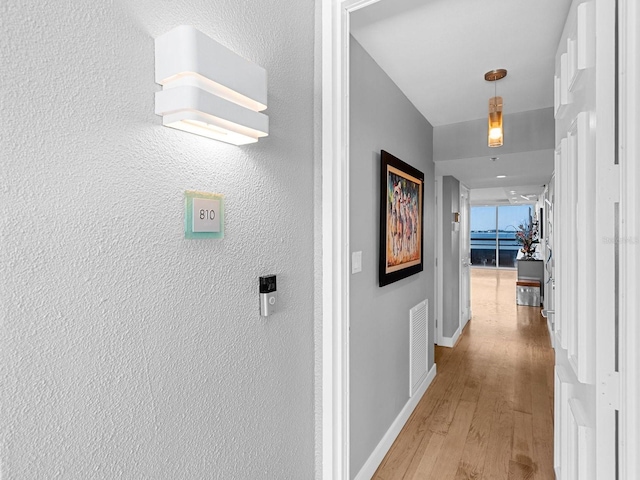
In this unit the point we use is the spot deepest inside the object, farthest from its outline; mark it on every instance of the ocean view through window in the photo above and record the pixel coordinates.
(493, 234)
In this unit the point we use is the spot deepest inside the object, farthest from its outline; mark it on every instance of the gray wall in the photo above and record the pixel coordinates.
(523, 132)
(127, 351)
(382, 118)
(450, 257)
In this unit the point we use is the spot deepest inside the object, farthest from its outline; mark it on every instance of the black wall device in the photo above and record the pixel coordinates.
(267, 295)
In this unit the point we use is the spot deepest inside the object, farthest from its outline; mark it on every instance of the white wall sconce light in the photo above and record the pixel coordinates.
(496, 132)
(209, 90)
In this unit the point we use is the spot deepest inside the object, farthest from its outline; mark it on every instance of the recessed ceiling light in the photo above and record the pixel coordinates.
(501, 176)
(512, 192)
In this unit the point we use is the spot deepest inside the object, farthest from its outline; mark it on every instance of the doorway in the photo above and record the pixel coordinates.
(335, 26)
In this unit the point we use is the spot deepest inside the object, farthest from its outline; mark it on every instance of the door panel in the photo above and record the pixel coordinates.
(582, 242)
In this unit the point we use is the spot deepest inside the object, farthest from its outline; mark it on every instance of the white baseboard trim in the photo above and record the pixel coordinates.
(450, 341)
(375, 459)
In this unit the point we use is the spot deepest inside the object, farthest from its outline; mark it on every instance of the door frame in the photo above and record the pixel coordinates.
(335, 33)
(439, 274)
(465, 226)
(629, 151)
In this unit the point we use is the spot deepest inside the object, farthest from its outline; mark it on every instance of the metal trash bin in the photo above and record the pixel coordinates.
(528, 293)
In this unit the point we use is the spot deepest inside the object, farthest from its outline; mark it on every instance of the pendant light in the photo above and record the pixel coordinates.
(495, 130)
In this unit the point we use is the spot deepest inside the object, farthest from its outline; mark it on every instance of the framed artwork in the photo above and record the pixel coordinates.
(401, 221)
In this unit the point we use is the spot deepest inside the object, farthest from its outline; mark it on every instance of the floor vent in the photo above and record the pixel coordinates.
(418, 341)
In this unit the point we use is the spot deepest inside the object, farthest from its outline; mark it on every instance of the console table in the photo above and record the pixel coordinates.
(531, 270)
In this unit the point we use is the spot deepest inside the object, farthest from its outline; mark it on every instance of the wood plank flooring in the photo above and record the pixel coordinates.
(489, 412)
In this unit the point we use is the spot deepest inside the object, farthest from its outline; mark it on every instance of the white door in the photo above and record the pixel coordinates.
(585, 229)
(465, 257)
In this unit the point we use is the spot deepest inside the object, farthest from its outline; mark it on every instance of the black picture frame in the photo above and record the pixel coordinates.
(401, 219)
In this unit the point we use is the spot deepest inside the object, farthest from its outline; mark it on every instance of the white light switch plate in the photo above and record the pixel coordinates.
(356, 262)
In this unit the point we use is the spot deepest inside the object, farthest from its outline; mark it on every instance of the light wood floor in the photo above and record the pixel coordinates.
(489, 412)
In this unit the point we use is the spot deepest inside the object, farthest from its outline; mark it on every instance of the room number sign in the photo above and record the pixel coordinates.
(204, 217)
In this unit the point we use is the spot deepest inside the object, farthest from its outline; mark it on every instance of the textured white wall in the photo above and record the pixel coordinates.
(127, 351)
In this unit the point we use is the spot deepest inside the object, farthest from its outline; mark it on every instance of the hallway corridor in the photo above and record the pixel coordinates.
(489, 412)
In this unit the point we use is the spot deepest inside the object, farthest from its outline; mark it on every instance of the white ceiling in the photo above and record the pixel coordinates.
(526, 173)
(516, 195)
(437, 52)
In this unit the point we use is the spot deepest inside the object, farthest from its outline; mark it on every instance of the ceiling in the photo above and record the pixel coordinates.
(437, 52)
(522, 172)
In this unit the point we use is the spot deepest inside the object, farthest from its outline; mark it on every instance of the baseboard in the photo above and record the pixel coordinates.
(375, 459)
(450, 341)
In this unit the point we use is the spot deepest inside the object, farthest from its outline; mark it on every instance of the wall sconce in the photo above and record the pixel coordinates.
(209, 90)
(495, 130)
(455, 224)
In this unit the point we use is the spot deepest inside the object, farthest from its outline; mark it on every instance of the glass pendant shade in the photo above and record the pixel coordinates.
(496, 132)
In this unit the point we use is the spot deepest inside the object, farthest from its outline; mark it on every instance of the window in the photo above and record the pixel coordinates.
(493, 234)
